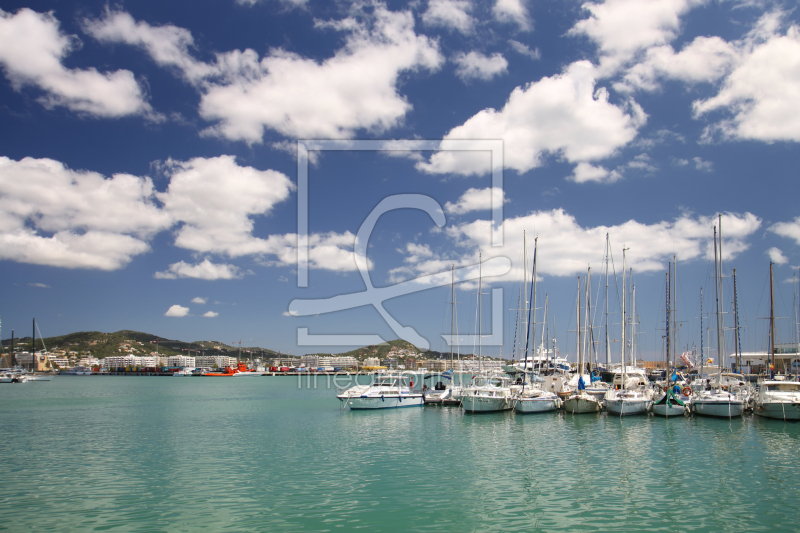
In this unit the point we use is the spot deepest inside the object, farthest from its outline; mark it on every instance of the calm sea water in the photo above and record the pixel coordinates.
(262, 454)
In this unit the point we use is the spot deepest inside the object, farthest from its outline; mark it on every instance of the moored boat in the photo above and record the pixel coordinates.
(387, 392)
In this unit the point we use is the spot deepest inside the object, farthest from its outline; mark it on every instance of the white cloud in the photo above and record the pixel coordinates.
(329, 251)
(788, 229)
(776, 256)
(177, 311)
(168, 45)
(761, 93)
(199, 301)
(40, 285)
(32, 48)
(704, 166)
(476, 200)
(706, 59)
(621, 28)
(51, 215)
(204, 270)
(585, 172)
(565, 115)
(215, 199)
(295, 96)
(566, 248)
(525, 49)
(451, 14)
(210, 314)
(475, 65)
(513, 11)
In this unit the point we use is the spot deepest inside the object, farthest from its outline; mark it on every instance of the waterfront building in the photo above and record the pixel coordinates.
(212, 361)
(181, 361)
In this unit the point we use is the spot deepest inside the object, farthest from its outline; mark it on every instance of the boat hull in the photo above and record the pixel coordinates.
(536, 405)
(778, 410)
(382, 402)
(668, 409)
(718, 408)
(581, 405)
(485, 404)
(624, 407)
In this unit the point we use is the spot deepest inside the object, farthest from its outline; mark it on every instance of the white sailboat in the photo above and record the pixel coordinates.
(630, 398)
(579, 401)
(777, 398)
(670, 404)
(718, 402)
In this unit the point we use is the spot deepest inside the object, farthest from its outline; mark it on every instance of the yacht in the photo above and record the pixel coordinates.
(533, 399)
(778, 399)
(669, 405)
(487, 394)
(388, 391)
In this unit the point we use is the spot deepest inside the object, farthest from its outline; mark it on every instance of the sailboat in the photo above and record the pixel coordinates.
(717, 401)
(579, 401)
(776, 398)
(441, 392)
(531, 398)
(487, 393)
(629, 399)
(669, 404)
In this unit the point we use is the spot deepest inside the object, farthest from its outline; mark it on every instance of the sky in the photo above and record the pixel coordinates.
(303, 175)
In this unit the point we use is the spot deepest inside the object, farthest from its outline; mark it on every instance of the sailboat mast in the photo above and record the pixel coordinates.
(608, 346)
(674, 302)
(589, 323)
(702, 352)
(669, 321)
(736, 338)
(771, 319)
(633, 321)
(719, 324)
(33, 345)
(533, 303)
(721, 304)
(525, 309)
(452, 308)
(578, 336)
(480, 288)
(624, 316)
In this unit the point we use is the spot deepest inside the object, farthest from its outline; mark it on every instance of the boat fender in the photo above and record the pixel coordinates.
(382, 398)
(687, 391)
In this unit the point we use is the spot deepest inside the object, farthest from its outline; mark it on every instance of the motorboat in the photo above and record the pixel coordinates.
(486, 394)
(183, 372)
(778, 399)
(386, 392)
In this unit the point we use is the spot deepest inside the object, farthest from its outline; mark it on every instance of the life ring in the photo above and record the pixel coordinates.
(666, 388)
(687, 391)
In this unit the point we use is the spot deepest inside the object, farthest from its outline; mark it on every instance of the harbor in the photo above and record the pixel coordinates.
(276, 454)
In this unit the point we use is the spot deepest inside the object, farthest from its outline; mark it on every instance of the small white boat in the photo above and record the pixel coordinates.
(628, 402)
(670, 404)
(536, 401)
(6, 377)
(717, 403)
(387, 392)
(778, 399)
(183, 372)
(580, 402)
(487, 394)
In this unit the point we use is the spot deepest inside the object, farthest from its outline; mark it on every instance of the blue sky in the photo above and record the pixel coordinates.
(149, 168)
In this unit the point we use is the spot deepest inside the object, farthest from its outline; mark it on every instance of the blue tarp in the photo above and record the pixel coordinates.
(581, 384)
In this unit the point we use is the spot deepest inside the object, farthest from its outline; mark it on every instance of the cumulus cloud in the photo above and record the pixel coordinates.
(210, 314)
(451, 14)
(584, 172)
(215, 199)
(32, 49)
(513, 11)
(776, 256)
(242, 94)
(622, 28)
(564, 114)
(761, 91)
(788, 229)
(475, 65)
(476, 200)
(177, 311)
(704, 166)
(330, 251)
(199, 300)
(204, 270)
(52, 215)
(565, 248)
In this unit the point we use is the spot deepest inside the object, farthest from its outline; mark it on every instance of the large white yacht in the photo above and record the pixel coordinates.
(778, 399)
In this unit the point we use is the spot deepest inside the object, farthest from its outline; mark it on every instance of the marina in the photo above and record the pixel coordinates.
(135, 454)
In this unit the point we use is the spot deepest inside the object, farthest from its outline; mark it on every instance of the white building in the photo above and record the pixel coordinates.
(212, 361)
(181, 361)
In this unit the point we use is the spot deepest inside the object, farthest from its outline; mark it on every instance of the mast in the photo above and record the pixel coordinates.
(702, 352)
(624, 316)
(33, 345)
(736, 338)
(516, 326)
(452, 308)
(546, 329)
(608, 346)
(719, 324)
(771, 320)
(721, 304)
(674, 305)
(533, 303)
(525, 309)
(589, 321)
(480, 288)
(633, 321)
(669, 322)
(578, 337)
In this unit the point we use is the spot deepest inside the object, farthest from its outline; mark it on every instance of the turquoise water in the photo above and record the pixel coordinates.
(262, 454)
